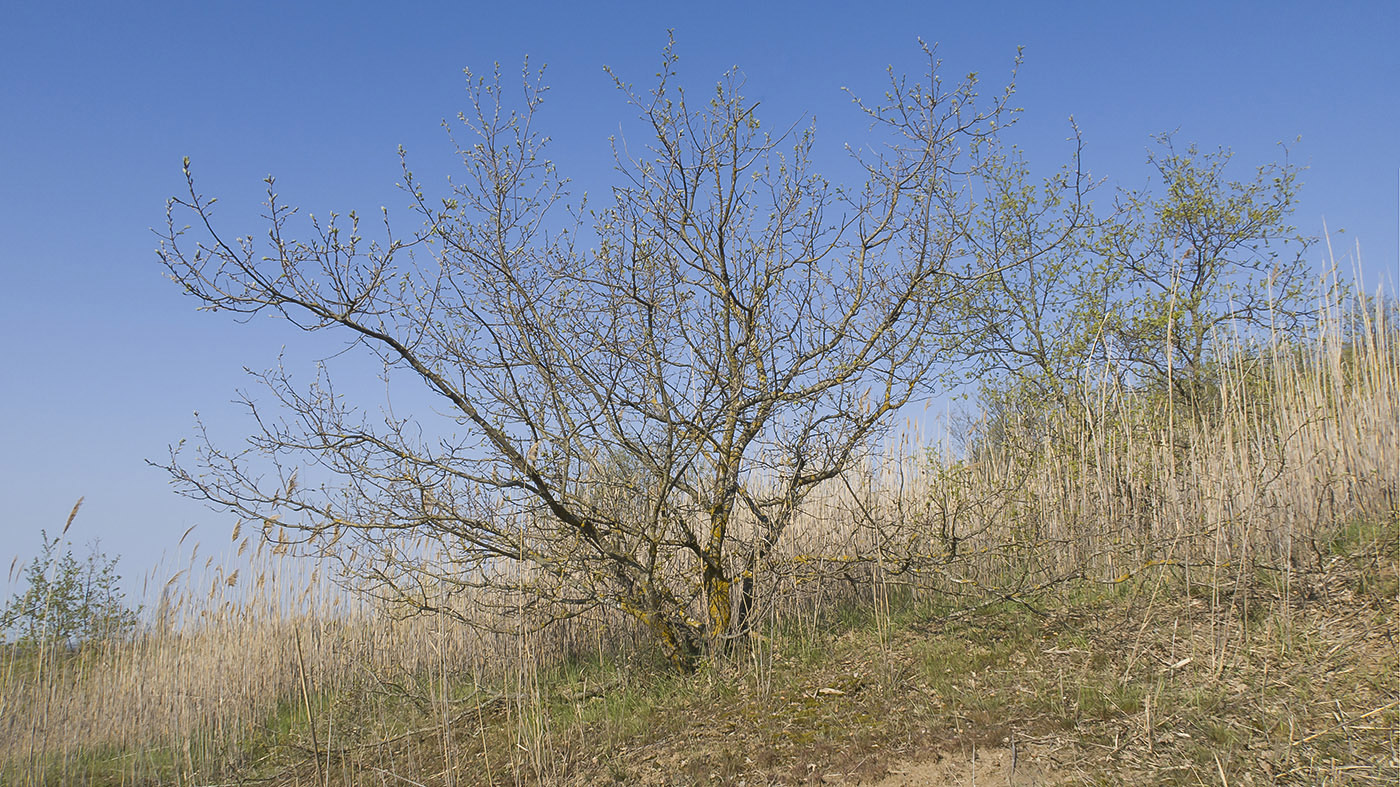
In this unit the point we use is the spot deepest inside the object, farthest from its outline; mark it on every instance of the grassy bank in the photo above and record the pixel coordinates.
(1138, 682)
(1129, 592)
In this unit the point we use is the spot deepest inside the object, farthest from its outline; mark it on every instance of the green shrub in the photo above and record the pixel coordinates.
(68, 602)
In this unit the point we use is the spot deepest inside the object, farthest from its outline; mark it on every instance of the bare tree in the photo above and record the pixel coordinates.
(640, 397)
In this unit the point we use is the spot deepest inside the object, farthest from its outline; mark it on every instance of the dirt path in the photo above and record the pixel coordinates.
(994, 767)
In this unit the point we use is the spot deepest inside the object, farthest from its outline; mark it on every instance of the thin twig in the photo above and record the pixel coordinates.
(1347, 722)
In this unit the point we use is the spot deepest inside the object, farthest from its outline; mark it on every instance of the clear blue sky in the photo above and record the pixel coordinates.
(105, 361)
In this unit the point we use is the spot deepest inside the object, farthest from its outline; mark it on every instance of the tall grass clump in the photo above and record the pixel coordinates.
(1296, 437)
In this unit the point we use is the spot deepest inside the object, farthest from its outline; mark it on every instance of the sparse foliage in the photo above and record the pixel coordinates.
(1041, 313)
(1209, 254)
(641, 395)
(1157, 292)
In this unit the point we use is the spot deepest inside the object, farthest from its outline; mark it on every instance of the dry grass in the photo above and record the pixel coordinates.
(1118, 686)
(1178, 596)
